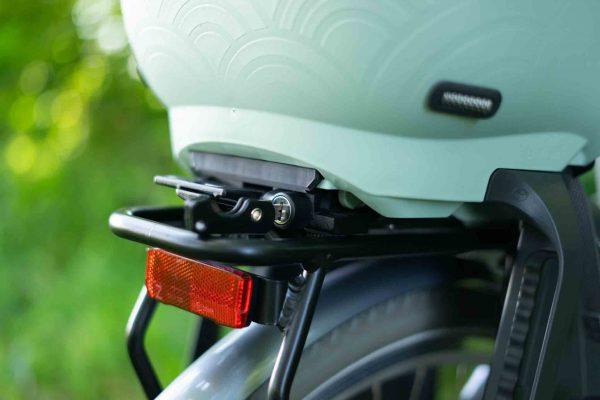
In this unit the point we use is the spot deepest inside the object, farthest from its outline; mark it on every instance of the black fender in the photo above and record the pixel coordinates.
(237, 365)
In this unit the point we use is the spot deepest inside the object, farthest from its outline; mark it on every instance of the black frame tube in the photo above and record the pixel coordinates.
(295, 337)
(137, 326)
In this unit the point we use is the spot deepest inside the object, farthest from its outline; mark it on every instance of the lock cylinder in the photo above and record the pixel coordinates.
(292, 209)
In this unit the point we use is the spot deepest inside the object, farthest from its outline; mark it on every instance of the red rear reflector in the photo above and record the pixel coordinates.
(220, 293)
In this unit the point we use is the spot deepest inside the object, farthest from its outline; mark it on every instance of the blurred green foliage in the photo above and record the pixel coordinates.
(80, 137)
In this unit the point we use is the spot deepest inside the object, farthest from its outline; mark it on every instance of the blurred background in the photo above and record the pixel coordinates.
(80, 136)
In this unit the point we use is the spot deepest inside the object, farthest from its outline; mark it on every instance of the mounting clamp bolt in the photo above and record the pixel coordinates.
(256, 214)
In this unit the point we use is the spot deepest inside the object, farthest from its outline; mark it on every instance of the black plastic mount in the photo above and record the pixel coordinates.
(542, 349)
(215, 209)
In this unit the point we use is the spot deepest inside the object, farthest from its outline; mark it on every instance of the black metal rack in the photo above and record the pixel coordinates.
(165, 228)
(161, 227)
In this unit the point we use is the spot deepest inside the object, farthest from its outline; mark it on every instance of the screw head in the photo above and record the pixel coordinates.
(256, 214)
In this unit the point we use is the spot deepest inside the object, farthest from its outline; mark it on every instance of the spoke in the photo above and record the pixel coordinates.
(421, 379)
(419, 382)
(474, 387)
(377, 391)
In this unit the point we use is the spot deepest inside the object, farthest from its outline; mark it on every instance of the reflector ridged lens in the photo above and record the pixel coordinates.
(219, 293)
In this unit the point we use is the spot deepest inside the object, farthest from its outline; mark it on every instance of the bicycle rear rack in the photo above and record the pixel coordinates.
(176, 229)
(162, 227)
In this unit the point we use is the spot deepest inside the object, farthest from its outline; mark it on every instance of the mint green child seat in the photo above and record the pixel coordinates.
(342, 86)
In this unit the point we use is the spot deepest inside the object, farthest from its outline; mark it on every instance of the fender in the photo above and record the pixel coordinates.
(237, 365)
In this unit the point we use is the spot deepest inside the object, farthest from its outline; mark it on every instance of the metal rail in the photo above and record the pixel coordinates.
(295, 337)
(158, 227)
(137, 325)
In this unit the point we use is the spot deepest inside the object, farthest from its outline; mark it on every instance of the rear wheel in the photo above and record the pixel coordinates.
(430, 344)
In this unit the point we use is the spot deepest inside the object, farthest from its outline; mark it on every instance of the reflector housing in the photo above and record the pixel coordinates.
(220, 293)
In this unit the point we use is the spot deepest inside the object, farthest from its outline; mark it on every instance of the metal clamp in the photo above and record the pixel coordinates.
(208, 211)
